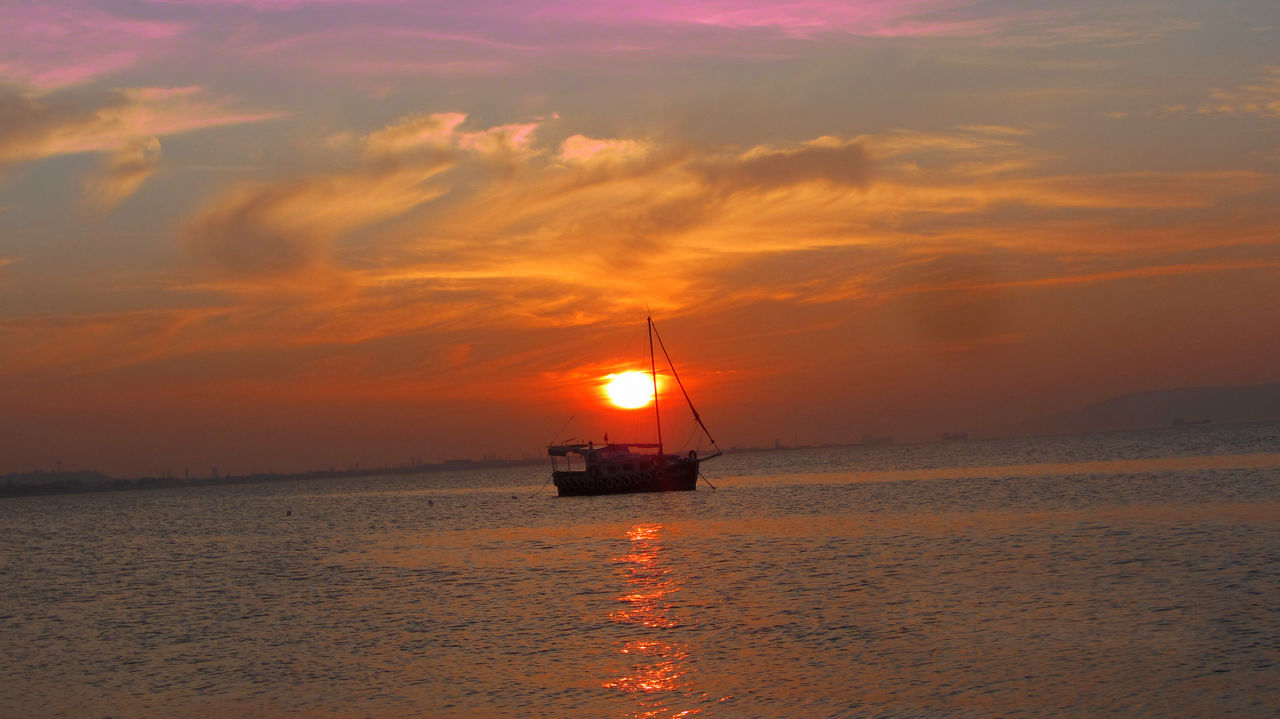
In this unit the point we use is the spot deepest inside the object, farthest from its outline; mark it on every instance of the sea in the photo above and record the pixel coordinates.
(1127, 574)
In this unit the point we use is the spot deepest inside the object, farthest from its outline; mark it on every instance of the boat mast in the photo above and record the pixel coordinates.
(653, 371)
(654, 331)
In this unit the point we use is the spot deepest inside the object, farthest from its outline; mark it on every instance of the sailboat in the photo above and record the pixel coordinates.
(627, 467)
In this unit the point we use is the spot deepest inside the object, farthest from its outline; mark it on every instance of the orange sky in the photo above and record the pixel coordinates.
(253, 235)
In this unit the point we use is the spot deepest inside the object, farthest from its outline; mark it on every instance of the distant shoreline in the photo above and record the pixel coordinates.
(40, 483)
(43, 483)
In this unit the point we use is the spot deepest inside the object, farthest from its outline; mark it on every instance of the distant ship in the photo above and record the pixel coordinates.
(616, 468)
(1178, 421)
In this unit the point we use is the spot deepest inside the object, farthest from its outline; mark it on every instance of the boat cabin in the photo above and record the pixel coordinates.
(617, 457)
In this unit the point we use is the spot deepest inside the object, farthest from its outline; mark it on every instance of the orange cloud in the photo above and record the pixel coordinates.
(268, 231)
(827, 224)
(599, 238)
(441, 132)
(553, 246)
(123, 173)
(282, 228)
(437, 131)
(582, 150)
(506, 142)
(838, 164)
(1260, 99)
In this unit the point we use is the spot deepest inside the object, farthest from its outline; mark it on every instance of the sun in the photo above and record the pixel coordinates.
(629, 390)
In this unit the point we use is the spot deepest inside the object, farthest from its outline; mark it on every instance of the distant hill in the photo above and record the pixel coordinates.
(1219, 405)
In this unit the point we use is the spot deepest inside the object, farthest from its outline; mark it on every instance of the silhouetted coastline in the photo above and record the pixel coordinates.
(25, 484)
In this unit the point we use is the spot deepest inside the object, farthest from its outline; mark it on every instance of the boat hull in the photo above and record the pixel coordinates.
(680, 476)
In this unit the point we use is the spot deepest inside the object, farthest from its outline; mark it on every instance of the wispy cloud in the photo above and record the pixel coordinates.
(596, 240)
(1098, 24)
(863, 17)
(1106, 276)
(1261, 99)
(389, 41)
(46, 126)
(404, 234)
(442, 132)
(124, 123)
(288, 227)
(47, 46)
(843, 164)
(123, 173)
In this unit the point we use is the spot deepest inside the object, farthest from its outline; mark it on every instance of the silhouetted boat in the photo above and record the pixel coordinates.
(616, 468)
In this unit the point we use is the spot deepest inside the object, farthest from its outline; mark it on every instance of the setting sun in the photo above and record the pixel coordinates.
(629, 390)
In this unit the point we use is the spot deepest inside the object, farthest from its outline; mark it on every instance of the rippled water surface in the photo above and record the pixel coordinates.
(1128, 574)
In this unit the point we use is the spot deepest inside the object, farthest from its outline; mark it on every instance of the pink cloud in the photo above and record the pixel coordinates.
(863, 17)
(871, 17)
(275, 5)
(50, 46)
(489, 37)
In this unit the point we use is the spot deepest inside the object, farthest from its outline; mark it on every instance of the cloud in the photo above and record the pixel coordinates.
(389, 41)
(54, 45)
(581, 150)
(274, 5)
(1261, 99)
(436, 131)
(864, 17)
(123, 173)
(36, 127)
(1115, 25)
(601, 236)
(808, 17)
(831, 161)
(125, 123)
(506, 143)
(38, 345)
(601, 226)
(1103, 276)
(288, 227)
(441, 132)
(1133, 190)
(780, 223)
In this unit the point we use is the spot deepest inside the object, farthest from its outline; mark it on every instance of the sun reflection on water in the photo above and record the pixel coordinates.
(659, 677)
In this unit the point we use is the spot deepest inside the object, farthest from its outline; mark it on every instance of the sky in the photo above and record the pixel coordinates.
(253, 235)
